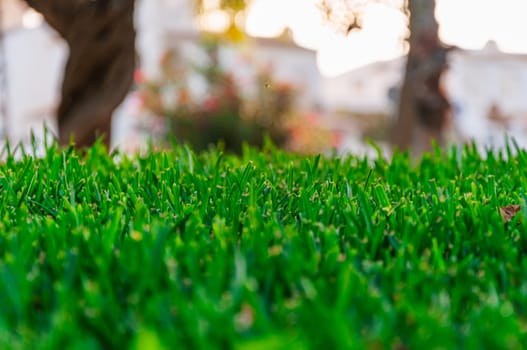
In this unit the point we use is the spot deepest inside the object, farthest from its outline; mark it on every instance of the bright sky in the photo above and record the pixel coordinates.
(466, 23)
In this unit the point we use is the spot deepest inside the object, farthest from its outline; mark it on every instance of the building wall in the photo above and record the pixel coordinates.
(35, 59)
(364, 90)
(475, 81)
(481, 79)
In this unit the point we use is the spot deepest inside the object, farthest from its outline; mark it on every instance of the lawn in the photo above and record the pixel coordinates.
(267, 250)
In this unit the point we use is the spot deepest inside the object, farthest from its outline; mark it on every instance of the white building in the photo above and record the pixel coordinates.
(479, 80)
(476, 81)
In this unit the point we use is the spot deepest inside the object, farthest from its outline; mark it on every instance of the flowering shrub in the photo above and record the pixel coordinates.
(224, 115)
(308, 135)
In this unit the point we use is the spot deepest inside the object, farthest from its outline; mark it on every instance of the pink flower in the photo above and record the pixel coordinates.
(211, 104)
(139, 76)
(312, 118)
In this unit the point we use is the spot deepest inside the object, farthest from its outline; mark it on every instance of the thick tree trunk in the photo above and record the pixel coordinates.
(99, 72)
(423, 107)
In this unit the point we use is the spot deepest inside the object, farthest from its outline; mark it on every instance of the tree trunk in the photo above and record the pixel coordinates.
(99, 71)
(423, 107)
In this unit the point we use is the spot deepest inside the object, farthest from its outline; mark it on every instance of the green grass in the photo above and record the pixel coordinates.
(264, 251)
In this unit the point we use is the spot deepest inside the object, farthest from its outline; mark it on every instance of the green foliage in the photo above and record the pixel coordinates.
(226, 114)
(264, 251)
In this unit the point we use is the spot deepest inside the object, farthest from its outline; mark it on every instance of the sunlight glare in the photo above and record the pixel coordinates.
(372, 43)
(216, 21)
(266, 18)
(356, 50)
(456, 29)
(31, 19)
(378, 17)
(509, 31)
(471, 24)
(210, 5)
(307, 25)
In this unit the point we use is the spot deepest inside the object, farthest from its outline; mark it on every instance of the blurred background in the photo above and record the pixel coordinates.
(313, 75)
